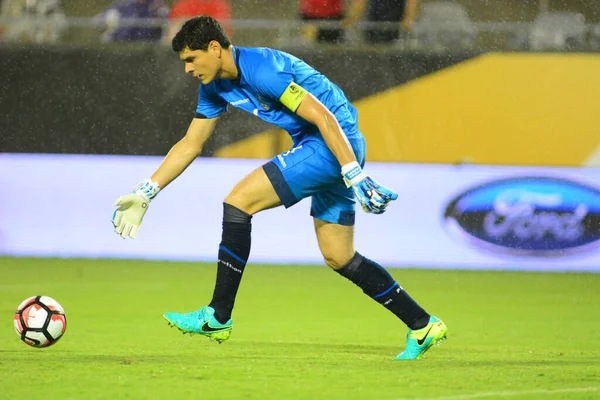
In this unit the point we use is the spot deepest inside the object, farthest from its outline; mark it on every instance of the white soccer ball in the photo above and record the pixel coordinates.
(40, 321)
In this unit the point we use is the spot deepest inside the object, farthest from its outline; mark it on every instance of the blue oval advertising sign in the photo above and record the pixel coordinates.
(529, 215)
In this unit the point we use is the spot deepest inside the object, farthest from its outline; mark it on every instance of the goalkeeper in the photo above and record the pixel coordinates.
(324, 164)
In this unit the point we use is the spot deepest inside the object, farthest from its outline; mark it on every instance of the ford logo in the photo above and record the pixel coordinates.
(527, 216)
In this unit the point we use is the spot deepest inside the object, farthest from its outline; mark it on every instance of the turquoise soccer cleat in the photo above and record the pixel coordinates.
(419, 341)
(202, 322)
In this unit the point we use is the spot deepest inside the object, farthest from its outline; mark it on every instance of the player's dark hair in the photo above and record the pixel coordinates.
(198, 32)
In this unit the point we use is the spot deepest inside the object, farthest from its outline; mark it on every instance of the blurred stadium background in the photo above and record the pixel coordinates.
(484, 118)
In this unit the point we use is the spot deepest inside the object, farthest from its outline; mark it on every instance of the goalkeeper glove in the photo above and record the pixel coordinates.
(373, 197)
(132, 207)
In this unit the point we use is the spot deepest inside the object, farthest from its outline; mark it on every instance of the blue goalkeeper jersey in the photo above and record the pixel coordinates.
(264, 75)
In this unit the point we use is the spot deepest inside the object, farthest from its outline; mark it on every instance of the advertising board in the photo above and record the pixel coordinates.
(446, 216)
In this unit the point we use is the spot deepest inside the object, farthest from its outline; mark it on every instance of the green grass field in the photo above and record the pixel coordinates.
(299, 333)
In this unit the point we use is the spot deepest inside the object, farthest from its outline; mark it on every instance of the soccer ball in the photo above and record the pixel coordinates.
(40, 321)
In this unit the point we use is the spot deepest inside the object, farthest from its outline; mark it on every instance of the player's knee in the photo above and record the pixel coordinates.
(240, 202)
(336, 259)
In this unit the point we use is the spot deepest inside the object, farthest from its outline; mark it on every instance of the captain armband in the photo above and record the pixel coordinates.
(292, 96)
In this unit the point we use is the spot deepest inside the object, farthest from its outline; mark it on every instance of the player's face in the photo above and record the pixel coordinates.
(204, 65)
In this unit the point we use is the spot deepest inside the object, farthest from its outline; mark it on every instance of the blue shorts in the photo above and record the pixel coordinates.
(311, 169)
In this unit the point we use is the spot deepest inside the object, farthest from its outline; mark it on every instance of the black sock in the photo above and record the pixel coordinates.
(233, 255)
(378, 284)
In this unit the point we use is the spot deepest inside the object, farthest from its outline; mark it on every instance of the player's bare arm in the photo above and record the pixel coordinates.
(312, 110)
(133, 206)
(373, 197)
(185, 151)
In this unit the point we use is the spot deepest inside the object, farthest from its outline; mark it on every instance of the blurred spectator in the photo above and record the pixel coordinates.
(444, 25)
(133, 9)
(41, 21)
(595, 38)
(561, 31)
(183, 10)
(322, 10)
(401, 11)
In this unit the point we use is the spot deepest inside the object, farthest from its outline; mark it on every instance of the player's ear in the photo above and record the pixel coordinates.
(215, 46)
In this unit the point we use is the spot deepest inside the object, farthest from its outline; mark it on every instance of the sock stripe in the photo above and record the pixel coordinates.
(231, 253)
(386, 291)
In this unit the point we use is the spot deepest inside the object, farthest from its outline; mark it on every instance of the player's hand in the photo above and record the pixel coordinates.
(373, 197)
(128, 217)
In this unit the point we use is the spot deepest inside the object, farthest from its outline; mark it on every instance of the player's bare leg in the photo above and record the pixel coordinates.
(336, 243)
(252, 194)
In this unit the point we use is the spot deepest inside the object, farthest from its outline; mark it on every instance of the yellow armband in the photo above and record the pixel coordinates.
(292, 96)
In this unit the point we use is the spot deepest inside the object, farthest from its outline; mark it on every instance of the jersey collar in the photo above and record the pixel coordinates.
(236, 60)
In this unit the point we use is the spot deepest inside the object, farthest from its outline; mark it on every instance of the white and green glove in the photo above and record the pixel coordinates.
(132, 207)
(373, 197)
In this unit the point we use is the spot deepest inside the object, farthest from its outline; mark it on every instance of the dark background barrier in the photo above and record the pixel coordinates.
(137, 99)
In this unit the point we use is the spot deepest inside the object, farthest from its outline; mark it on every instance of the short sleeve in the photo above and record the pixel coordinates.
(210, 105)
(273, 76)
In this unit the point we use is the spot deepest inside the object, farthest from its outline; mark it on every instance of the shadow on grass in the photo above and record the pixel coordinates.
(234, 351)
(294, 352)
(322, 348)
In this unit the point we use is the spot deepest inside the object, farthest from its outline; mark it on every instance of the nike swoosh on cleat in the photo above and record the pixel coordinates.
(207, 328)
(422, 340)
